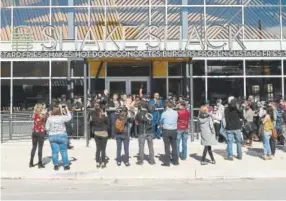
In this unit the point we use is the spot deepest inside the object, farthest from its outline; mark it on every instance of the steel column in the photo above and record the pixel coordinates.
(85, 102)
(191, 97)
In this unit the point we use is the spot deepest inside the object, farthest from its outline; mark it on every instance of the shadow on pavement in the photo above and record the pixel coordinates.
(221, 152)
(255, 152)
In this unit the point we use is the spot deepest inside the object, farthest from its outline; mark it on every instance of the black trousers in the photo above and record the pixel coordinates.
(38, 139)
(207, 149)
(170, 138)
(101, 143)
(273, 145)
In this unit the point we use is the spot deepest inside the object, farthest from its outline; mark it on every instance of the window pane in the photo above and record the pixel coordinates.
(199, 67)
(5, 32)
(159, 85)
(78, 87)
(35, 19)
(128, 69)
(264, 89)
(26, 93)
(227, 16)
(59, 69)
(284, 67)
(97, 85)
(5, 95)
(190, 2)
(176, 86)
(222, 88)
(199, 92)
(176, 69)
(263, 67)
(225, 67)
(284, 21)
(5, 69)
(59, 87)
(262, 23)
(31, 69)
(77, 68)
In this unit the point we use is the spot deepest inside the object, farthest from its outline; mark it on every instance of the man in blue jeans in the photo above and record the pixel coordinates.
(156, 106)
(233, 128)
(183, 125)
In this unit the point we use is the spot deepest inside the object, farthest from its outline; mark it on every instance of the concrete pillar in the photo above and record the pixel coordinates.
(184, 20)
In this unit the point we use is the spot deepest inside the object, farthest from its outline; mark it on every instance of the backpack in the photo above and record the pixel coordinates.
(119, 125)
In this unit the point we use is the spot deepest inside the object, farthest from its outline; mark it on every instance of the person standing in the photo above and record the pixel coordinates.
(233, 128)
(156, 104)
(69, 127)
(58, 136)
(249, 126)
(99, 128)
(169, 121)
(183, 125)
(208, 135)
(38, 135)
(114, 103)
(268, 127)
(121, 136)
(144, 124)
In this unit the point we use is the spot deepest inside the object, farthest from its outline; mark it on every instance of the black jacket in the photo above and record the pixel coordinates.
(143, 124)
(233, 118)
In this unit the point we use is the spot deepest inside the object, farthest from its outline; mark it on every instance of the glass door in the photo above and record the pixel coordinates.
(117, 87)
(135, 86)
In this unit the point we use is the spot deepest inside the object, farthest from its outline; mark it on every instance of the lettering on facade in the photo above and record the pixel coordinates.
(144, 54)
(55, 41)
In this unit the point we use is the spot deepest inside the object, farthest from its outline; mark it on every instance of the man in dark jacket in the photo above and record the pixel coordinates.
(233, 126)
(143, 121)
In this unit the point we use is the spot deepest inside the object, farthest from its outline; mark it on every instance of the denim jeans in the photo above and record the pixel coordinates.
(266, 143)
(182, 135)
(231, 135)
(59, 144)
(122, 138)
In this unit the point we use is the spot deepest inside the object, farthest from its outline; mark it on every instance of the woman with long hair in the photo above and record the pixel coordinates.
(121, 136)
(38, 135)
(58, 136)
(268, 127)
(99, 123)
(208, 135)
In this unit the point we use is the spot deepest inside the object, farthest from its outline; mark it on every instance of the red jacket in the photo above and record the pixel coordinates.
(183, 119)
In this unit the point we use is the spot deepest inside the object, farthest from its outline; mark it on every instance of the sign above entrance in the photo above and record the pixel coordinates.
(179, 54)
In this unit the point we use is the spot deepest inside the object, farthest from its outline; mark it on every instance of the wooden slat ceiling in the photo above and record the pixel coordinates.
(37, 18)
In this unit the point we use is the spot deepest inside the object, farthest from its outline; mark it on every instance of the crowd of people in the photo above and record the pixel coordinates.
(148, 118)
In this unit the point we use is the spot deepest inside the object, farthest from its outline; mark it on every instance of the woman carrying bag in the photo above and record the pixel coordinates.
(99, 128)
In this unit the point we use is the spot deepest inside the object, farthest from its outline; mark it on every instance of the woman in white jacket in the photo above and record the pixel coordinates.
(58, 136)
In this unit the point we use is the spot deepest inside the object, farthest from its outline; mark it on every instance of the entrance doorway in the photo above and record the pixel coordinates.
(123, 85)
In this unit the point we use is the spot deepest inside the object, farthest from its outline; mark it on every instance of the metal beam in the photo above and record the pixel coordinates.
(191, 97)
(86, 134)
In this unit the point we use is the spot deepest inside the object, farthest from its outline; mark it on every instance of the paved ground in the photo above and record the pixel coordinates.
(273, 189)
(15, 159)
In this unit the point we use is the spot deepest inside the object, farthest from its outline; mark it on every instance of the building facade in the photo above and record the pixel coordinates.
(119, 25)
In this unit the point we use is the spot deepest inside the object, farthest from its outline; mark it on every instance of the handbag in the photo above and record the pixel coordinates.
(274, 134)
(101, 133)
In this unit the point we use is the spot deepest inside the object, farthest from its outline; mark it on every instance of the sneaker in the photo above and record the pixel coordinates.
(56, 167)
(67, 168)
(229, 158)
(166, 164)
(204, 163)
(127, 164)
(270, 157)
(98, 165)
(213, 162)
(265, 157)
(239, 157)
(139, 163)
(152, 163)
(103, 166)
(118, 163)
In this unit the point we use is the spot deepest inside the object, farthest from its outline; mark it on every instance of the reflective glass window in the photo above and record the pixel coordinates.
(199, 67)
(264, 89)
(199, 92)
(129, 2)
(5, 95)
(59, 68)
(59, 88)
(5, 68)
(5, 32)
(222, 88)
(220, 24)
(77, 68)
(176, 86)
(97, 85)
(176, 69)
(31, 69)
(224, 67)
(263, 67)
(26, 93)
(159, 86)
(31, 22)
(262, 23)
(121, 69)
